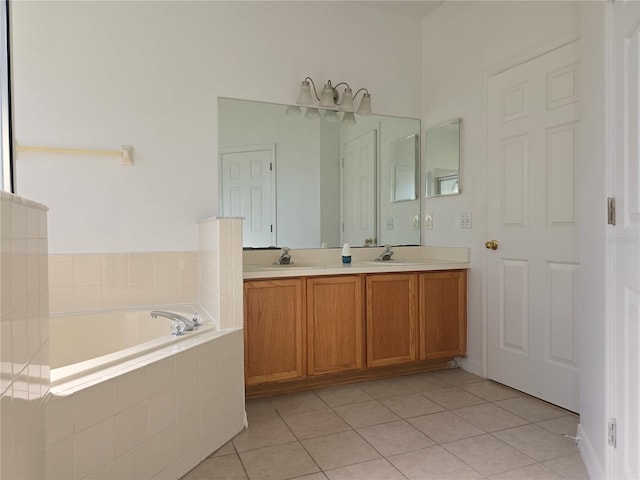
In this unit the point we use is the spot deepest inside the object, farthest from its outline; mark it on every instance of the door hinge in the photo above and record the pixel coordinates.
(612, 433)
(270, 166)
(271, 228)
(611, 211)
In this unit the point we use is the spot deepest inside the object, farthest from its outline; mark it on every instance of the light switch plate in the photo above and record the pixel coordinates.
(428, 221)
(465, 220)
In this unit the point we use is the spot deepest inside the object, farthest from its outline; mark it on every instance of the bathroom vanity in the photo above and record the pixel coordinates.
(313, 324)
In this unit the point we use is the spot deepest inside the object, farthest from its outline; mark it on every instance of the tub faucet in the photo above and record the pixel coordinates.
(386, 255)
(285, 257)
(188, 324)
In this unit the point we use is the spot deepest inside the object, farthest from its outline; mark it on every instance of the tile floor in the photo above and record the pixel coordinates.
(441, 425)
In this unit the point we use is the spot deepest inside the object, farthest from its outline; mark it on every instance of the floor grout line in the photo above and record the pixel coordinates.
(271, 409)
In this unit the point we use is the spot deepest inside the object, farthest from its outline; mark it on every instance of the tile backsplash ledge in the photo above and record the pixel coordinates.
(103, 281)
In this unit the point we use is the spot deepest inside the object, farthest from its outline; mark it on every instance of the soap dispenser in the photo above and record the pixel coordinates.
(346, 253)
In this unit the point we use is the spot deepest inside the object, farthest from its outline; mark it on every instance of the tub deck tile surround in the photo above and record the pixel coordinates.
(159, 419)
(24, 336)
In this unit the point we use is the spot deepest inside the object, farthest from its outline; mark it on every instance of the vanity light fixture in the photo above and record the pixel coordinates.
(330, 97)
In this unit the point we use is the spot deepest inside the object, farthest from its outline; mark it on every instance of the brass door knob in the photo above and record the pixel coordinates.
(491, 245)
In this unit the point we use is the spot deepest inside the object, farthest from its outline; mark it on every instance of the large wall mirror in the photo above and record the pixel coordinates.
(442, 158)
(309, 180)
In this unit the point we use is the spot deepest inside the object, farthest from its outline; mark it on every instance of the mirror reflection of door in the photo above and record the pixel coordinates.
(358, 190)
(248, 190)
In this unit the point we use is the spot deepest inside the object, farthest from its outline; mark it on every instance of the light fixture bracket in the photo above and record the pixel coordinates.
(330, 97)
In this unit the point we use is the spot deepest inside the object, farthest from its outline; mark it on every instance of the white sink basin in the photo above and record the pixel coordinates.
(294, 266)
(393, 262)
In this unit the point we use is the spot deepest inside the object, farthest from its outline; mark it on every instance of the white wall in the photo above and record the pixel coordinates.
(102, 74)
(464, 42)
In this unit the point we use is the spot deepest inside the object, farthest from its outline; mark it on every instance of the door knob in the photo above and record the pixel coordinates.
(491, 245)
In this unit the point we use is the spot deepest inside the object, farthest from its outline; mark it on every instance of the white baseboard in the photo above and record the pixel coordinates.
(471, 366)
(589, 457)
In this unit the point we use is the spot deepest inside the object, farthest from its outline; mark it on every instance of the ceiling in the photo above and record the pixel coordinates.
(417, 9)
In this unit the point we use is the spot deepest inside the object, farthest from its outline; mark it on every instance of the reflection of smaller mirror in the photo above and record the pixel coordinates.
(442, 156)
(403, 156)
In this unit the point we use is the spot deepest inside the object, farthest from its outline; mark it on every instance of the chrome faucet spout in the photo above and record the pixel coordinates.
(386, 255)
(285, 257)
(188, 324)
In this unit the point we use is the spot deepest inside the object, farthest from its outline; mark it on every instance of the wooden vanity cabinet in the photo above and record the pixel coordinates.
(443, 314)
(274, 330)
(335, 323)
(392, 318)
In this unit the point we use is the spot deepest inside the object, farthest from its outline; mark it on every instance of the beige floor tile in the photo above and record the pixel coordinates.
(445, 427)
(536, 442)
(491, 391)
(342, 395)
(566, 424)
(537, 471)
(364, 414)
(339, 450)
(387, 387)
(315, 424)
(457, 376)
(313, 476)
(570, 466)
(531, 408)
(433, 463)
(423, 382)
(257, 408)
(298, 403)
(412, 405)
(263, 433)
(489, 417)
(279, 462)
(453, 397)
(488, 455)
(227, 467)
(379, 469)
(226, 449)
(395, 437)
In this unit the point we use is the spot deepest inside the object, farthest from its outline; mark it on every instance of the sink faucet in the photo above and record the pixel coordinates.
(285, 257)
(385, 256)
(188, 324)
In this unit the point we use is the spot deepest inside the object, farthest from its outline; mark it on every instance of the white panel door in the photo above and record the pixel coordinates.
(248, 190)
(625, 240)
(359, 190)
(532, 141)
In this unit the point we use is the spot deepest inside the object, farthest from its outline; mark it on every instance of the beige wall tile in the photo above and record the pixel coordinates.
(142, 270)
(167, 266)
(141, 294)
(87, 298)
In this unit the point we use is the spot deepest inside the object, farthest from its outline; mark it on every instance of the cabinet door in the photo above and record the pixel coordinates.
(273, 330)
(443, 314)
(392, 309)
(334, 324)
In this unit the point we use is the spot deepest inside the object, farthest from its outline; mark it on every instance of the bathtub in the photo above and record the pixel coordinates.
(84, 343)
(130, 400)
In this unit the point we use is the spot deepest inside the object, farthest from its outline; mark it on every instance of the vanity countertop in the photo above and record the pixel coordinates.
(256, 271)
